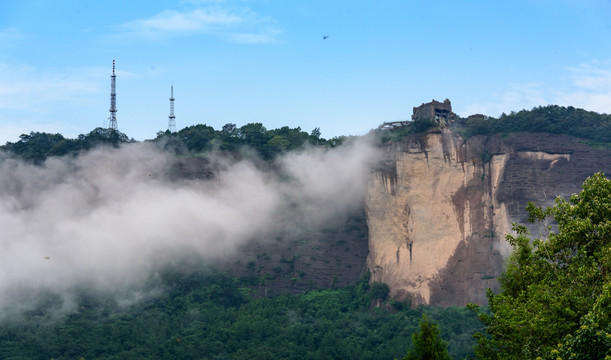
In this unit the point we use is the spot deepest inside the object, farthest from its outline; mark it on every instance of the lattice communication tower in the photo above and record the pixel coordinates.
(112, 119)
(172, 118)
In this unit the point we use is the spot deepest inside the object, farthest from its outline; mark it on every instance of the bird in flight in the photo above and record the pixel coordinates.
(324, 37)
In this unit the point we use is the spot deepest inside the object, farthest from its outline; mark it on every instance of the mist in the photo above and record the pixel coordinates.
(110, 218)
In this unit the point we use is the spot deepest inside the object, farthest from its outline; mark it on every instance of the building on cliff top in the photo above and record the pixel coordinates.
(441, 112)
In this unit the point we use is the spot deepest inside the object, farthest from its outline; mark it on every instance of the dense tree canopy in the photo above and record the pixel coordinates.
(550, 119)
(37, 146)
(554, 119)
(555, 298)
(210, 315)
(200, 138)
(427, 344)
(266, 143)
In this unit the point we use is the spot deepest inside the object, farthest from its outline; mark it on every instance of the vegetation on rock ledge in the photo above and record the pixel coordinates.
(555, 297)
(552, 119)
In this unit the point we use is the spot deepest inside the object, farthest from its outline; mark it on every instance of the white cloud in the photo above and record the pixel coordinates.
(591, 87)
(34, 99)
(200, 2)
(9, 36)
(25, 87)
(587, 86)
(169, 21)
(240, 26)
(10, 132)
(591, 76)
(600, 102)
(254, 38)
(517, 97)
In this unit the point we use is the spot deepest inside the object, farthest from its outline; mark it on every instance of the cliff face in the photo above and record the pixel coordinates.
(439, 207)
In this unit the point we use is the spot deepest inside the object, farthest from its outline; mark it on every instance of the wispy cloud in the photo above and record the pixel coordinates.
(170, 21)
(587, 86)
(25, 87)
(9, 36)
(240, 26)
(34, 99)
(10, 132)
(266, 38)
(516, 97)
(591, 87)
(591, 76)
(202, 2)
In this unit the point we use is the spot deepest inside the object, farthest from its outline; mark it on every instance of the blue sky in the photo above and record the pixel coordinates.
(243, 61)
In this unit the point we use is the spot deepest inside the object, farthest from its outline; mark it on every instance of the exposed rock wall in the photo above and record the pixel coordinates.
(439, 207)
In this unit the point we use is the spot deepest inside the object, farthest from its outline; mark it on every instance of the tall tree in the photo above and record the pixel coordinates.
(555, 293)
(427, 343)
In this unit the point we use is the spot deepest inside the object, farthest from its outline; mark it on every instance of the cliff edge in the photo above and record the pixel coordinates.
(438, 207)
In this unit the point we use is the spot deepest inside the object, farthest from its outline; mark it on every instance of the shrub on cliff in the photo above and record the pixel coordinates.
(556, 292)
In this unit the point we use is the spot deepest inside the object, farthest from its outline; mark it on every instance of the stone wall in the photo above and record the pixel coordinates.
(441, 112)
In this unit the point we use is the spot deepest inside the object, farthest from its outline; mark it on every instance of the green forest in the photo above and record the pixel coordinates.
(196, 139)
(551, 119)
(206, 314)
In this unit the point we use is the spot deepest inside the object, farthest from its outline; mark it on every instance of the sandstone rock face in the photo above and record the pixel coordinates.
(439, 207)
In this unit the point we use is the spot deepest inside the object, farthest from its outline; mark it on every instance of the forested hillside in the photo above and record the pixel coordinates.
(204, 314)
(551, 119)
(37, 146)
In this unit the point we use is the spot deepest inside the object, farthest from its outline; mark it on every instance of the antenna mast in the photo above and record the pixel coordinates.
(112, 119)
(172, 121)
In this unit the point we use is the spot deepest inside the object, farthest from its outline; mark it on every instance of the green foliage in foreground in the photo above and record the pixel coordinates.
(427, 344)
(552, 119)
(555, 299)
(212, 316)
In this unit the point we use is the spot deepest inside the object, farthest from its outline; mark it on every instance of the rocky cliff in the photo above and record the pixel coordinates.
(438, 207)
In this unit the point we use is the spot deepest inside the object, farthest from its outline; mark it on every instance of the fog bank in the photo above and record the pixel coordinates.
(110, 218)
